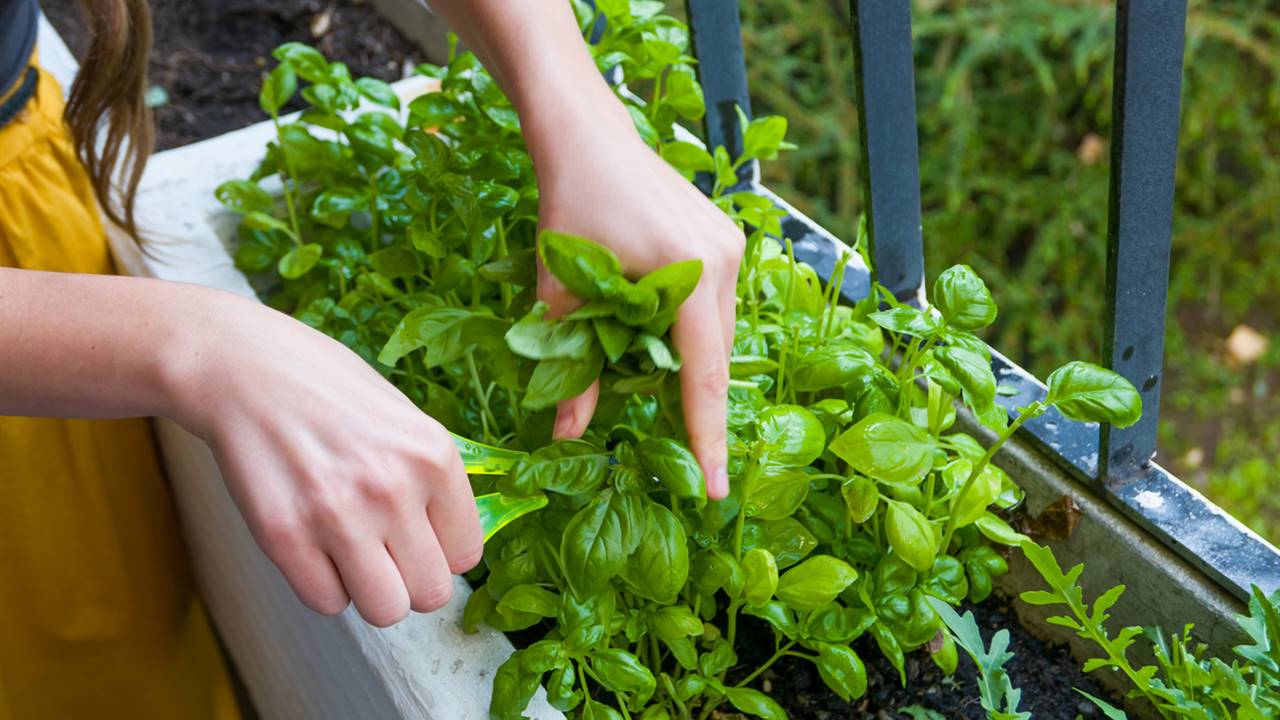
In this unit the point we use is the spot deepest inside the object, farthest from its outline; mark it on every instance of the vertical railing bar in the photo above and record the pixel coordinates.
(1150, 37)
(886, 99)
(715, 29)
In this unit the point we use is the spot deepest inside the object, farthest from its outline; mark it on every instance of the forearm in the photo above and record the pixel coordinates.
(536, 52)
(91, 346)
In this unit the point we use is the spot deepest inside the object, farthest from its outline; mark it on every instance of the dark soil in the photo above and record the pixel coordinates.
(210, 55)
(1045, 673)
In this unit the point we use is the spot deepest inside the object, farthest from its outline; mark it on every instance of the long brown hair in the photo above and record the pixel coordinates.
(112, 86)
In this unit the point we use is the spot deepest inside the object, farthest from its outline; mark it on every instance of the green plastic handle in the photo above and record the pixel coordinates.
(498, 511)
(481, 459)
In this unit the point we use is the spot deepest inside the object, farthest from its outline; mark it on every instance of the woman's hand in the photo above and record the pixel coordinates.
(597, 179)
(351, 490)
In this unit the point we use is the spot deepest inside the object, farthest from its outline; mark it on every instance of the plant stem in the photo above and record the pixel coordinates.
(1027, 413)
(767, 664)
(292, 174)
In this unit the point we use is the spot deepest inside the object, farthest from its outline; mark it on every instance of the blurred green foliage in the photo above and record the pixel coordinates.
(1014, 101)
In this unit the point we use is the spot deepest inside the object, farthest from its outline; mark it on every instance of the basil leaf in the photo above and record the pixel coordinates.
(513, 688)
(886, 448)
(984, 491)
(673, 465)
(673, 284)
(561, 379)
(760, 575)
(779, 616)
(842, 670)
(278, 89)
(786, 539)
(754, 702)
(687, 158)
(659, 567)
(861, 497)
(395, 262)
(567, 467)
(614, 337)
(378, 92)
(663, 357)
(911, 535)
(907, 321)
(622, 672)
(582, 266)
(830, 366)
(1088, 393)
(592, 546)
(299, 261)
(792, 436)
(560, 689)
(539, 338)
(244, 196)
(963, 298)
(776, 493)
(972, 371)
(815, 582)
(531, 599)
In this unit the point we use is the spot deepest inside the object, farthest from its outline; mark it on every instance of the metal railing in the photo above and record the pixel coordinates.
(1115, 462)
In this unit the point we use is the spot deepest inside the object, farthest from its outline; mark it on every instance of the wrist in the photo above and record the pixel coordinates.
(191, 349)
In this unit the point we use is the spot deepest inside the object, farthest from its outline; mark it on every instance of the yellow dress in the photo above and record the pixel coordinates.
(99, 616)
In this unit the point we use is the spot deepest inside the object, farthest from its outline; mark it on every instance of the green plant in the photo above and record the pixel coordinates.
(1184, 682)
(413, 241)
(1015, 115)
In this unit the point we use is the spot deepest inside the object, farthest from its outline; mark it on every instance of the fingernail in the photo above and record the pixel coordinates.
(719, 483)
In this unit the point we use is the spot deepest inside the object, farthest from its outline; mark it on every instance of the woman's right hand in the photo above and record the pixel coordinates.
(350, 489)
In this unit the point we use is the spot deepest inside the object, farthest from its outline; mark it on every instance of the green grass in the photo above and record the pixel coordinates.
(1014, 100)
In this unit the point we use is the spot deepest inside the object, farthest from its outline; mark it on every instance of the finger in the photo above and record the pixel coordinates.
(704, 385)
(455, 522)
(729, 316)
(373, 581)
(552, 292)
(416, 551)
(574, 415)
(313, 577)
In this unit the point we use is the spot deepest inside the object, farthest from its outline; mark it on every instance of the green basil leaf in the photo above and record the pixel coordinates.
(972, 371)
(299, 261)
(946, 580)
(714, 569)
(396, 261)
(561, 379)
(531, 599)
(1088, 393)
(886, 448)
(963, 299)
(599, 711)
(566, 467)
(792, 436)
(984, 491)
(760, 575)
(830, 366)
(584, 267)
(560, 689)
(513, 688)
(776, 492)
(911, 535)
(837, 624)
(244, 196)
(673, 465)
(764, 137)
(278, 89)
(891, 649)
(861, 497)
(659, 567)
(815, 582)
(786, 539)
(754, 702)
(622, 672)
(907, 321)
(378, 92)
(306, 60)
(946, 657)
(779, 616)
(258, 220)
(592, 546)
(673, 284)
(663, 357)
(434, 110)
(687, 158)
(684, 95)
(614, 337)
(539, 338)
(440, 330)
(999, 531)
(842, 670)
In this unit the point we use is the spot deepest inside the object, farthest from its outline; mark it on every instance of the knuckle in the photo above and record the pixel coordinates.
(433, 597)
(386, 491)
(279, 534)
(467, 558)
(711, 378)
